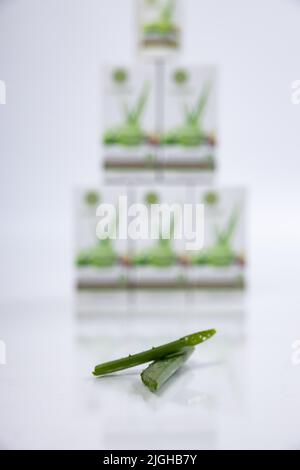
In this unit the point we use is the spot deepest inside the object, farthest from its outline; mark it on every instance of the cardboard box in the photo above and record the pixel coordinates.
(161, 257)
(159, 28)
(129, 139)
(155, 262)
(221, 263)
(99, 263)
(189, 139)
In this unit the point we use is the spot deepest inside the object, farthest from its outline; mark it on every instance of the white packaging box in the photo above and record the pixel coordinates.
(129, 138)
(221, 263)
(144, 277)
(148, 271)
(99, 264)
(159, 28)
(189, 139)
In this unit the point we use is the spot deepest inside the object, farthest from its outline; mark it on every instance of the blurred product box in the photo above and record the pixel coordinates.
(161, 260)
(159, 148)
(155, 260)
(189, 137)
(159, 29)
(221, 263)
(159, 124)
(99, 256)
(129, 138)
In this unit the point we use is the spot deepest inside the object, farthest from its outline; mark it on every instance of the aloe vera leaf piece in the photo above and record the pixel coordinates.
(154, 354)
(157, 373)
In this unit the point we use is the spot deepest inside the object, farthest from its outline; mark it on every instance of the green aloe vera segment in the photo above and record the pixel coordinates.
(221, 254)
(191, 132)
(160, 352)
(157, 374)
(101, 255)
(130, 133)
(161, 254)
(164, 23)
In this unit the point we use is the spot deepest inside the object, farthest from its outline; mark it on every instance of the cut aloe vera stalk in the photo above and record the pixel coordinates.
(157, 374)
(181, 345)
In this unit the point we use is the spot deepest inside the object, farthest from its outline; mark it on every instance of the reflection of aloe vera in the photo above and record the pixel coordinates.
(130, 133)
(191, 134)
(222, 253)
(165, 22)
(102, 255)
(160, 255)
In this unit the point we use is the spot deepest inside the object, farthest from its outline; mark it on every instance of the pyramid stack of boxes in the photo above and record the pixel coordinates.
(159, 145)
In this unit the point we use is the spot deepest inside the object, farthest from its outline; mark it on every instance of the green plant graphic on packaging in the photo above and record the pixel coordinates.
(130, 133)
(161, 260)
(92, 198)
(102, 254)
(221, 254)
(130, 140)
(181, 76)
(152, 198)
(99, 253)
(161, 254)
(191, 133)
(211, 198)
(188, 139)
(159, 24)
(120, 76)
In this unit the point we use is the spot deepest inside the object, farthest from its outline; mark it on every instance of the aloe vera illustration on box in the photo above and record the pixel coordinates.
(101, 255)
(165, 19)
(188, 140)
(161, 29)
(222, 253)
(161, 254)
(94, 251)
(130, 133)
(191, 133)
(129, 139)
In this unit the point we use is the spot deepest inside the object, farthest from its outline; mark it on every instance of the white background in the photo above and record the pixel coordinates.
(50, 57)
(236, 394)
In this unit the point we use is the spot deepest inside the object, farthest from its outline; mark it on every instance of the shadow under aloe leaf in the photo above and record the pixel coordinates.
(118, 375)
(180, 378)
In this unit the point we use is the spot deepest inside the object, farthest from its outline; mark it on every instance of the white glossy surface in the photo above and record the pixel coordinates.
(237, 391)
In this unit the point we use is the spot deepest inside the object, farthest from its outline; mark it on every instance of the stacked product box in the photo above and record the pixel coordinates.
(159, 123)
(189, 137)
(159, 144)
(101, 275)
(130, 140)
(163, 258)
(159, 29)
